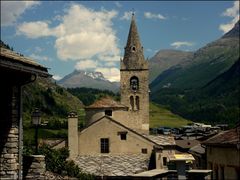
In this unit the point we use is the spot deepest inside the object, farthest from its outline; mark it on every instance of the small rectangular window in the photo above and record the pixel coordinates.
(108, 112)
(104, 145)
(144, 150)
(123, 136)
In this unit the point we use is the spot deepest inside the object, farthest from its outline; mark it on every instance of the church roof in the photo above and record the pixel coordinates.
(106, 102)
(113, 165)
(133, 56)
(133, 37)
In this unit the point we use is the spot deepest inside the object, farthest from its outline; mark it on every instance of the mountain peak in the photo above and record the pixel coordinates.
(234, 32)
(89, 79)
(92, 74)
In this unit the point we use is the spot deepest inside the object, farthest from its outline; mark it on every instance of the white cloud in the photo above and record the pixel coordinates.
(109, 64)
(233, 13)
(39, 29)
(112, 74)
(126, 16)
(86, 64)
(150, 15)
(57, 77)
(179, 44)
(106, 57)
(12, 10)
(40, 57)
(83, 35)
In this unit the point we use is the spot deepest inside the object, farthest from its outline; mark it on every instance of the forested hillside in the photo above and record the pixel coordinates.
(53, 100)
(89, 95)
(207, 87)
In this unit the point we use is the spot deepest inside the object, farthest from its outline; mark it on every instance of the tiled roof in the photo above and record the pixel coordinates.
(14, 56)
(186, 143)
(197, 149)
(230, 137)
(162, 140)
(106, 102)
(113, 165)
(16, 61)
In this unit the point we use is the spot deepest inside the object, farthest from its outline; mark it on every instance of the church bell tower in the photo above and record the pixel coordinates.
(134, 82)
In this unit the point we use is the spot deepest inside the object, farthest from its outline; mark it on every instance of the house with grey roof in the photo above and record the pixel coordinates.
(223, 154)
(116, 140)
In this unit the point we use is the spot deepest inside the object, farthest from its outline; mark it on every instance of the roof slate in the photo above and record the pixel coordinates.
(14, 60)
(14, 56)
(197, 149)
(230, 137)
(113, 165)
(162, 140)
(106, 102)
(186, 143)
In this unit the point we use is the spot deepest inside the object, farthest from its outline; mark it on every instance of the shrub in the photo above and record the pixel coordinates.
(56, 162)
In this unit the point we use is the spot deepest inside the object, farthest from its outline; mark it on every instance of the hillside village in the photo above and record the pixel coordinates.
(112, 138)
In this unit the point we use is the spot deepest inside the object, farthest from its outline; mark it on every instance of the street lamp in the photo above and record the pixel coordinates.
(36, 121)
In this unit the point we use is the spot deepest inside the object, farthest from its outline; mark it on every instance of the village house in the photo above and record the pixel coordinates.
(223, 154)
(15, 71)
(116, 140)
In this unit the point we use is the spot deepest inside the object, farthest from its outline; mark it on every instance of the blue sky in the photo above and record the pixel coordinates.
(91, 35)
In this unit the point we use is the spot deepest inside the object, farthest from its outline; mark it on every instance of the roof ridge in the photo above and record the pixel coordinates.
(111, 119)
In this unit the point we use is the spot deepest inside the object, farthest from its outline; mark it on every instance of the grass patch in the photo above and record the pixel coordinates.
(160, 116)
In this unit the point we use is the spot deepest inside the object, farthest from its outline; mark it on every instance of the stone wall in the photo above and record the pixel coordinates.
(9, 134)
(138, 119)
(34, 167)
(9, 156)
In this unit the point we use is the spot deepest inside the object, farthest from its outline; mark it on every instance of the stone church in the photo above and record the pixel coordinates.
(116, 140)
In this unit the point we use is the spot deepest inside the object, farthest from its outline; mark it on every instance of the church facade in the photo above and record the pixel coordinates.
(119, 129)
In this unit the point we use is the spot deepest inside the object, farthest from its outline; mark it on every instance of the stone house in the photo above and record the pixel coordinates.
(116, 140)
(223, 154)
(15, 72)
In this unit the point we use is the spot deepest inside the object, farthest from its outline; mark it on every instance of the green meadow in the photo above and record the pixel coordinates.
(160, 116)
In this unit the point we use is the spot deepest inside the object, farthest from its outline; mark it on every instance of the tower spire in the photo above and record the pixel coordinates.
(133, 56)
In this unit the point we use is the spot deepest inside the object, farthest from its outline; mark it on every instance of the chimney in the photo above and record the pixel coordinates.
(73, 135)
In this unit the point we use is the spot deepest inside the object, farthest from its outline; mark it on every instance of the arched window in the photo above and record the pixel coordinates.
(132, 102)
(133, 49)
(134, 83)
(137, 103)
